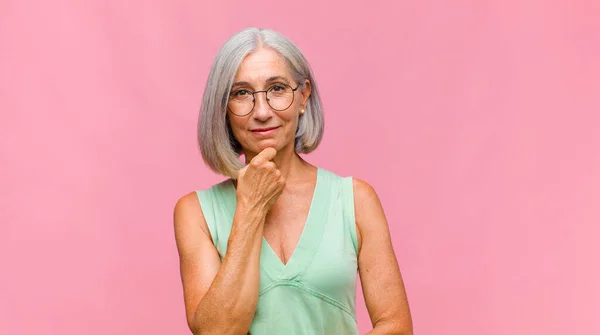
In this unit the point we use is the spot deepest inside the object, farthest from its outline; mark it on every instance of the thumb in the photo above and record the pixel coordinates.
(267, 154)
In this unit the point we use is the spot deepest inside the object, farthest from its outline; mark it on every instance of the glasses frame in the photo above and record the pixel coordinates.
(266, 98)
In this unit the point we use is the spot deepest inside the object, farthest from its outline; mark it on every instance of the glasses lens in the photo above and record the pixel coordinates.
(280, 97)
(241, 102)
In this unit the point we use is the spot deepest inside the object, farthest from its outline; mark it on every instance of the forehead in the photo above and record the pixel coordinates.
(262, 64)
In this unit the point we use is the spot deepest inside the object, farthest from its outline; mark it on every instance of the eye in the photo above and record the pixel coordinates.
(241, 93)
(277, 88)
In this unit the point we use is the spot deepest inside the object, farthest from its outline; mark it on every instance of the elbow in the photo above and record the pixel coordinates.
(196, 326)
(193, 325)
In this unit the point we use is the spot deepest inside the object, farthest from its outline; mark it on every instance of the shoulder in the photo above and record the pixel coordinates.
(188, 215)
(188, 204)
(366, 201)
(370, 218)
(363, 191)
(190, 208)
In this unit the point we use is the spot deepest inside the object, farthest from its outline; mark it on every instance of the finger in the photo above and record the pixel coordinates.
(267, 154)
(271, 166)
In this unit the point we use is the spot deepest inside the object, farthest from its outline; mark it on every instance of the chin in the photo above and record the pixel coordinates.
(270, 143)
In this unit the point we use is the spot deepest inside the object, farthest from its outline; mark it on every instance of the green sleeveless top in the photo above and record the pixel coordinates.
(315, 292)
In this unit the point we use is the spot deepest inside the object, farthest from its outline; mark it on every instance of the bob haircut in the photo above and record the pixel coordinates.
(219, 148)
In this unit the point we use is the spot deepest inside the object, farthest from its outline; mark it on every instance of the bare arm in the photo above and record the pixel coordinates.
(220, 298)
(380, 275)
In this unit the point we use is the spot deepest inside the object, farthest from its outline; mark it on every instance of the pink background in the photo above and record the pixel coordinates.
(476, 122)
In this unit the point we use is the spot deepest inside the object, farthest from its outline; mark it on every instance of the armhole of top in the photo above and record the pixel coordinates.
(349, 214)
(205, 200)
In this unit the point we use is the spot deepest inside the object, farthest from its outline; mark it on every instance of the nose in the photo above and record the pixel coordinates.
(262, 111)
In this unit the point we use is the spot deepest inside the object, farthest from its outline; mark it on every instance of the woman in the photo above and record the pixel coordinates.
(276, 248)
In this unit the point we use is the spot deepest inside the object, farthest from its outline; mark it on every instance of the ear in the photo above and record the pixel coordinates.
(306, 91)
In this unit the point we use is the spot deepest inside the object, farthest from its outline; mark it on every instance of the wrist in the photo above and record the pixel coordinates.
(252, 212)
(250, 208)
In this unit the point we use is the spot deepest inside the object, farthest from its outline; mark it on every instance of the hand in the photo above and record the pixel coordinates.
(260, 183)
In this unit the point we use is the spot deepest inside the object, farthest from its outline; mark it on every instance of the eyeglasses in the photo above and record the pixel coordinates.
(279, 97)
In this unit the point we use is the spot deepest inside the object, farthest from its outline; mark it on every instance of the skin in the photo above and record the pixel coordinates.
(274, 192)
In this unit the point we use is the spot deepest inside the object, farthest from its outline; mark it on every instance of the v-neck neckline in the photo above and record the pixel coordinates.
(307, 221)
(308, 241)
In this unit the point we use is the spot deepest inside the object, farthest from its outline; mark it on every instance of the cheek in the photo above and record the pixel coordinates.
(295, 116)
(291, 127)
(237, 129)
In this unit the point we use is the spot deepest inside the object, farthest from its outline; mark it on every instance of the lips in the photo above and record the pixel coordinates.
(264, 131)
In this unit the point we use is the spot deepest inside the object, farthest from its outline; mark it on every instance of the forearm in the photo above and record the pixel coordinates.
(229, 304)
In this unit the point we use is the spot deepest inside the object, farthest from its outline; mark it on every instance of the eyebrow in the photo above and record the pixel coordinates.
(269, 80)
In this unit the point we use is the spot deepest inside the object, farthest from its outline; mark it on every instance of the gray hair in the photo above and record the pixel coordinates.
(219, 148)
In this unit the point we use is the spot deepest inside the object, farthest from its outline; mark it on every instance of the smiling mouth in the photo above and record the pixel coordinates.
(264, 131)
